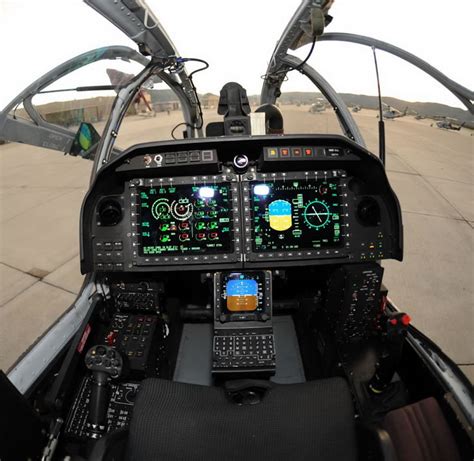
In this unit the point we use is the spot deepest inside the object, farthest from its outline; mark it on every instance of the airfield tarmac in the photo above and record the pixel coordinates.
(430, 169)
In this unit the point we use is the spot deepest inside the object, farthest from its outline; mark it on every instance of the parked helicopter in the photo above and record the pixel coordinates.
(449, 124)
(317, 107)
(390, 113)
(233, 305)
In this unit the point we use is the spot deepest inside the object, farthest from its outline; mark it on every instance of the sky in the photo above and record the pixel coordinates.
(237, 39)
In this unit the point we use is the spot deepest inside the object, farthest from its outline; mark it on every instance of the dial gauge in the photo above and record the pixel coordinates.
(316, 214)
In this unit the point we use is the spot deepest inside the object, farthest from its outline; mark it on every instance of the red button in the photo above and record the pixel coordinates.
(284, 152)
(406, 319)
(111, 338)
(308, 152)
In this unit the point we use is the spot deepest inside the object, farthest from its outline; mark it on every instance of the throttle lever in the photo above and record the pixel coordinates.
(105, 363)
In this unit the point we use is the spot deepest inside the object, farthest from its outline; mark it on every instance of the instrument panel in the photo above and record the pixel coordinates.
(184, 219)
(298, 214)
(144, 216)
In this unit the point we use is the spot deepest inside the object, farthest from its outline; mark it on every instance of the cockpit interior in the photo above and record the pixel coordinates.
(234, 304)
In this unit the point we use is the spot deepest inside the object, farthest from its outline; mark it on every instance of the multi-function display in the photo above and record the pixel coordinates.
(295, 214)
(184, 219)
(243, 292)
(242, 296)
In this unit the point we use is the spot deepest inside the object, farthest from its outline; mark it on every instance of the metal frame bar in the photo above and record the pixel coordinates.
(281, 62)
(347, 122)
(39, 132)
(462, 93)
(29, 368)
(139, 23)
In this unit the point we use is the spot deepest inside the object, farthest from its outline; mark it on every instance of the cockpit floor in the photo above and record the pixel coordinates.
(194, 361)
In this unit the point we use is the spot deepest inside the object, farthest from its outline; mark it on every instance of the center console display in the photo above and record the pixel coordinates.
(296, 214)
(184, 219)
(241, 296)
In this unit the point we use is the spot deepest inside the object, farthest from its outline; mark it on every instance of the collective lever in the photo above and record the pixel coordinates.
(105, 363)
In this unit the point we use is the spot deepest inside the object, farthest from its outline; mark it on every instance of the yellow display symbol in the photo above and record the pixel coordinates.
(279, 213)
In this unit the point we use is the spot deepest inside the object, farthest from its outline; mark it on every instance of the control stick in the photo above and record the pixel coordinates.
(396, 325)
(105, 363)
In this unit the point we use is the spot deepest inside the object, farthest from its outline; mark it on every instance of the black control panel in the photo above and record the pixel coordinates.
(140, 296)
(119, 410)
(353, 301)
(157, 159)
(298, 153)
(139, 337)
(309, 200)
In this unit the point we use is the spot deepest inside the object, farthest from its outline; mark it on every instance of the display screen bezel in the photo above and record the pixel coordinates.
(220, 256)
(341, 250)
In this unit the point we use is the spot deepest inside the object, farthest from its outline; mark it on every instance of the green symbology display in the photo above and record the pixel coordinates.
(296, 215)
(185, 220)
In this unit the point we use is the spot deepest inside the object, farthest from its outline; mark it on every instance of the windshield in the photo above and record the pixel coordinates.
(428, 136)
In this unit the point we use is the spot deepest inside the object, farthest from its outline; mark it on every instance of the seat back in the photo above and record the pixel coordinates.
(419, 432)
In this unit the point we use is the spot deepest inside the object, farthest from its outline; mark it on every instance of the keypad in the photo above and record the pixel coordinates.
(243, 349)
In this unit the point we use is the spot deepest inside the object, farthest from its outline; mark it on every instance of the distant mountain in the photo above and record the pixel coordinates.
(428, 109)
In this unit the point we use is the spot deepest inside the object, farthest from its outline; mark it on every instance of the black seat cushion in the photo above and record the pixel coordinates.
(177, 421)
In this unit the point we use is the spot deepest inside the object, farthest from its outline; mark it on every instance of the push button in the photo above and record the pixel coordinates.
(207, 155)
(296, 152)
(182, 157)
(195, 156)
(272, 152)
(170, 159)
(284, 152)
